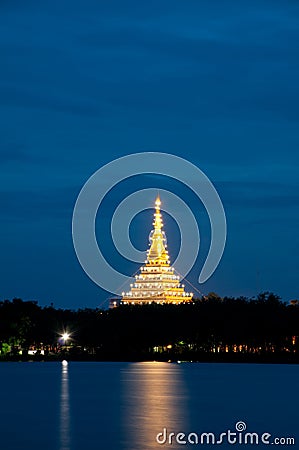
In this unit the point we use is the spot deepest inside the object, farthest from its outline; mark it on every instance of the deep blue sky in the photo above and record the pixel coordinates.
(82, 83)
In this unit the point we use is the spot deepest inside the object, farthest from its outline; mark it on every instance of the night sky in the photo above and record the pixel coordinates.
(83, 83)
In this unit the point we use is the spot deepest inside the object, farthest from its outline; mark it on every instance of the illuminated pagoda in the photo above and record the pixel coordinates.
(156, 280)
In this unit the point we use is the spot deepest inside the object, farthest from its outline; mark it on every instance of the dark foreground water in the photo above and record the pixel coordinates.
(124, 406)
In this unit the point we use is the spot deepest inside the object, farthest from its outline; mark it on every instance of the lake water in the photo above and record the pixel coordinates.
(124, 406)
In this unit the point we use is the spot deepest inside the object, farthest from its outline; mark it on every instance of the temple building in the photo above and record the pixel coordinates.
(156, 281)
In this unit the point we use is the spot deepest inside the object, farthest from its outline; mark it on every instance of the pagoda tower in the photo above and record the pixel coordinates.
(156, 280)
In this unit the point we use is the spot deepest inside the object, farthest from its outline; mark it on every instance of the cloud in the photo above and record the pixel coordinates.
(31, 206)
(241, 195)
(180, 62)
(14, 153)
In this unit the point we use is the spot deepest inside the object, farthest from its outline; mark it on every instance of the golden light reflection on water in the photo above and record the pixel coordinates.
(65, 439)
(154, 397)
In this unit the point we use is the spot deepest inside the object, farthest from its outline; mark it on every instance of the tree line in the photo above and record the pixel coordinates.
(210, 328)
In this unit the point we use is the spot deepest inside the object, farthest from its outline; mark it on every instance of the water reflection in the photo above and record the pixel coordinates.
(65, 438)
(154, 398)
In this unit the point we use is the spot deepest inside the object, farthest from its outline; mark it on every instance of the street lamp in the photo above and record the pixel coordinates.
(65, 336)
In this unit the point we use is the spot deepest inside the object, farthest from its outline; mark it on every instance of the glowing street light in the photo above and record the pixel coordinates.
(65, 336)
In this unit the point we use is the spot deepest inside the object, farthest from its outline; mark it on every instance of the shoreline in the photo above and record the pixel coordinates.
(219, 359)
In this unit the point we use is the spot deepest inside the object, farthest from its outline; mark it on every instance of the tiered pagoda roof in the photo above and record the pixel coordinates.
(157, 281)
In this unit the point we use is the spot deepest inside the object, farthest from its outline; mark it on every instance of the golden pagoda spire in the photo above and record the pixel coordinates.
(157, 252)
(156, 281)
(158, 223)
